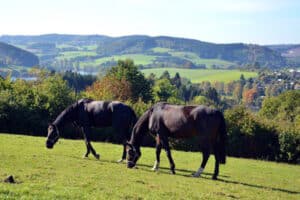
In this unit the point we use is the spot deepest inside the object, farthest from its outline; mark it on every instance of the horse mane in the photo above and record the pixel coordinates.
(64, 117)
(140, 128)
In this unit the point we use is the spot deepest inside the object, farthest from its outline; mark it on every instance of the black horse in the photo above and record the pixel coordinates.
(87, 113)
(164, 120)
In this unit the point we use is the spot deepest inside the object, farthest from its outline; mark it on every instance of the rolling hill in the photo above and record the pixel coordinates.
(13, 56)
(93, 51)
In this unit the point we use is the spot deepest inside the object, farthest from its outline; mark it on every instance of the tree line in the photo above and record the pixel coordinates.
(272, 133)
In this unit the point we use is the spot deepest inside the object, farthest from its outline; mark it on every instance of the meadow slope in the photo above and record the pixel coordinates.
(62, 173)
(199, 75)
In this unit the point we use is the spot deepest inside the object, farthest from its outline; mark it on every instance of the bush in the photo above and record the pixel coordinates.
(289, 141)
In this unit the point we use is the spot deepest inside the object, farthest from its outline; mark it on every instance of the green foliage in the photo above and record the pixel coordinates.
(140, 86)
(250, 136)
(163, 90)
(284, 107)
(27, 107)
(289, 140)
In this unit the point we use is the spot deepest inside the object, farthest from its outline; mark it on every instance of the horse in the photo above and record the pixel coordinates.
(87, 113)
(164, 120)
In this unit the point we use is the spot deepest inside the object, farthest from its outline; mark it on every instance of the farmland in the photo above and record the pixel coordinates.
(199, 75)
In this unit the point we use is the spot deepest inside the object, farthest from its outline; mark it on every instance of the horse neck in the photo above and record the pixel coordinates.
(139, 130)
(64, 117)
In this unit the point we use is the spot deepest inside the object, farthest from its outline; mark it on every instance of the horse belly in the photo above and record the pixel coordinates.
(102, 120)
(181, 129)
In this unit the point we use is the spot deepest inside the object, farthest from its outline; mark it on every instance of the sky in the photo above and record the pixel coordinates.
(218, 21)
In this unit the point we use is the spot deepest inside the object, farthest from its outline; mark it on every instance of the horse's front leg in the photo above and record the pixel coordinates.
(86, 133)
(124, 152)
(166, 146)
(158, 150)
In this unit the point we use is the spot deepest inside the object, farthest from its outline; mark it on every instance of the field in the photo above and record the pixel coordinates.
(199, 75)
(62, 173)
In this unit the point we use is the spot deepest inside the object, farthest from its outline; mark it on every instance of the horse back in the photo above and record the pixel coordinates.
(172, 120)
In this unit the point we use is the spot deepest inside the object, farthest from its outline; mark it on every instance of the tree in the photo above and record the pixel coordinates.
(176, 80)
(212, 94)
(109, 88)
(139, 86)
(166, 75)
(286, 106)
(249, 96)
(163, 90)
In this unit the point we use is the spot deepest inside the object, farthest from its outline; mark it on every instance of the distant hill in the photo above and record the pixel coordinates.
(163, 51)
(13, 56)
(290, 52)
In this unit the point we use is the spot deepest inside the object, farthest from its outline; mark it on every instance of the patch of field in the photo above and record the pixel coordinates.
(161, 50)
(197, 60)
(139, 59)
(62, 173)
(74, 54)
(199, 75)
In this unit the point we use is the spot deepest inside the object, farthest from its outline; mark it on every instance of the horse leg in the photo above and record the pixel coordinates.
(165, 143)
(87, 133)
(124, 153)
(204, 161)
(216, 172)
(158, 150)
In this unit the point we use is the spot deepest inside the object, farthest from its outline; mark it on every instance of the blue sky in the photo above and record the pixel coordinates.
(219, 21)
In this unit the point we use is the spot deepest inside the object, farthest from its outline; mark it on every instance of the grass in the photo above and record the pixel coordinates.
(197, 60)
(199, 75)
(139, 59)
(74, 54)
(62, 173)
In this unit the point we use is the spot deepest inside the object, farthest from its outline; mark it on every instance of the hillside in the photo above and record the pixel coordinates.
(290, 52)
(93, 51)
(62, 173)
(13, 56)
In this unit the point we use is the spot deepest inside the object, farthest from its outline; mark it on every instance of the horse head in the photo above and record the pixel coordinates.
(53, 136)
(133, 155)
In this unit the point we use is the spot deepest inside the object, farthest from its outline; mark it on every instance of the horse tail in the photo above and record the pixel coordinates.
(133, 118)
(221, 144)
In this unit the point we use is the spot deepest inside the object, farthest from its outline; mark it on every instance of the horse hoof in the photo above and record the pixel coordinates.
(120, 161)
(154, 169)
(173, 172)
(97, 156)
(85, 156)
(214, 178)
(195, 175)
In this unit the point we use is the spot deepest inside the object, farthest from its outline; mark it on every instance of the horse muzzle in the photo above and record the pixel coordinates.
(49, 145)
(130, 164)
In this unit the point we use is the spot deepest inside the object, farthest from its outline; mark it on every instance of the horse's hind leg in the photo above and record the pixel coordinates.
(86, 133)
(165, 143)
(158, 150)
(216, 172)
(205, 153)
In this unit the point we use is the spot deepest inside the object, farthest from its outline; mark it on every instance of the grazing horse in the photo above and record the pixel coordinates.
(164, 120)
(87, 113)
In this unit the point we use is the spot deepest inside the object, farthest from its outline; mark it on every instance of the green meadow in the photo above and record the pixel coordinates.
(62, 173)
(199, 75)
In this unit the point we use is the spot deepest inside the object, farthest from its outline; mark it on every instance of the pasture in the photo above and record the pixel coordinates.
(199, 75)
(62, 173)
